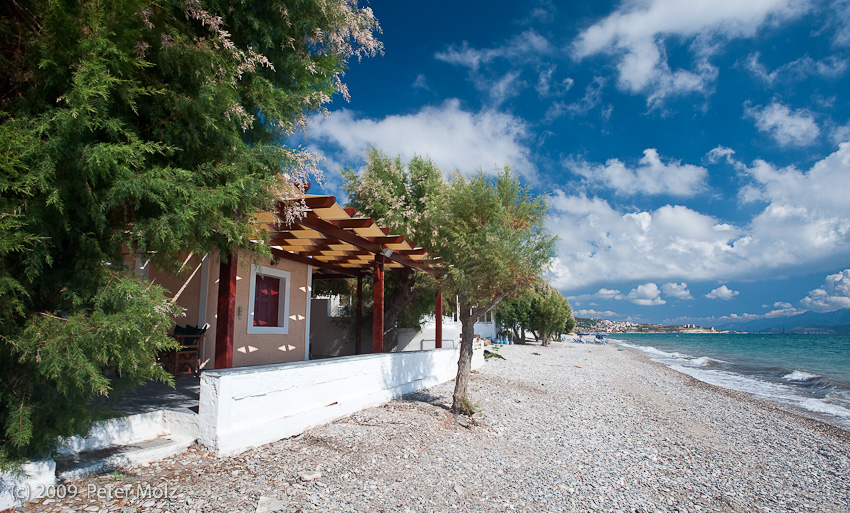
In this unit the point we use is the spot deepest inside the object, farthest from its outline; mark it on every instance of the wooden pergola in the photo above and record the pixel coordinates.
(338, 245)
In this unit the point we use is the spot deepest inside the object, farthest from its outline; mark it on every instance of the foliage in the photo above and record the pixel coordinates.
(490, 354)
(570, 324)
(492, 242)
(402, 197)
(514, 313)
(549, 312)
(540, 309)
(138, 127)
(469, 407)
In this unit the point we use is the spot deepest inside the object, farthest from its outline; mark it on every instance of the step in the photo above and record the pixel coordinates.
(71, 467)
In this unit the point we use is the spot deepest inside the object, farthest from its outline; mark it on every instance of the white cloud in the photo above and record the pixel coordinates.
(487, 66)
(798, 69)
(638, 32)
(455, 139)
(646, 295)
(548, 86)
(788, 128)
(833, 295)
(608, 294)
(841, 133)
(807, 216)
(421, 82)
(599, 244)
(804, 225)
(676, 290)
(607, 314)
(650, 176)
(722, 292)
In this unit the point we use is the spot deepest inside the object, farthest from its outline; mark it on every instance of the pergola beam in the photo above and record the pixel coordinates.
(352, 273)
(314, 222)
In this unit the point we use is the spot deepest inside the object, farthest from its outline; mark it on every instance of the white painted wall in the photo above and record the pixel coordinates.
(30, 485)
(246, 407)
(410, 339)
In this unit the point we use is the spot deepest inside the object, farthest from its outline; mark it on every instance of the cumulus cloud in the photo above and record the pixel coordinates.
(722, 292)
(607, 314)
(455, 139)
(833, 295)
(650, 176)
(676, 290)
(804, 224)
(787, 127)
(647, 294)
(600, 244)
(637, 34)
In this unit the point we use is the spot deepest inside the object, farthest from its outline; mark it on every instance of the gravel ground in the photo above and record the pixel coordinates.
(562, 428)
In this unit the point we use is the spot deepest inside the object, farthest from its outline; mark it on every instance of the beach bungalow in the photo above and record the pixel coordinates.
(249, 327)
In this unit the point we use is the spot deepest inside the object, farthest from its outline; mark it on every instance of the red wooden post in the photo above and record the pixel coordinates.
(358, 317)
(438, 313)
(378, 306)
(226, 313)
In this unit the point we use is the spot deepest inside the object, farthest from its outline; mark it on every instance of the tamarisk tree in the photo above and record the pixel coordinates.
(403, 197)
(493, 241)
(134, 127)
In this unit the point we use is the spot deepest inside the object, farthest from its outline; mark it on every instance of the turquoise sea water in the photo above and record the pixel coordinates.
(803, 372)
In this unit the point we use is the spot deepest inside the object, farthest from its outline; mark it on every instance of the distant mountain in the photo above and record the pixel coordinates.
(809, 322)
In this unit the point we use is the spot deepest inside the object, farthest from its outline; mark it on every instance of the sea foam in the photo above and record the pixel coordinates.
(800, 376)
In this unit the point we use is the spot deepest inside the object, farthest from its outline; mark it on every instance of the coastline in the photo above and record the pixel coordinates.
(569, 427)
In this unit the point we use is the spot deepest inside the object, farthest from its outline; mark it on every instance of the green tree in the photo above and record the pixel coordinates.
(549, 311)
(493, 242)
(403, 197)
(513, 313)
(130, 127)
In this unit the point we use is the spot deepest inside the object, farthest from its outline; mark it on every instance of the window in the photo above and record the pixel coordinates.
(268, 310)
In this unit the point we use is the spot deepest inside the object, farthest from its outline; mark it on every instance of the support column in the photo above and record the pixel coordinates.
(358, 316)
(224, 325)
(378, 305)
(438, 313)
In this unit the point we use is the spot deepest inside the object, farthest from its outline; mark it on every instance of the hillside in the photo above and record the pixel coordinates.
(837, 322)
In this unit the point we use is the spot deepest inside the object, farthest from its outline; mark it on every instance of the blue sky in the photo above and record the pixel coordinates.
(696, 153)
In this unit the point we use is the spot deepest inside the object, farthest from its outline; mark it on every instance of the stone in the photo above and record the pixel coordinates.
(269, 505)
(309, 475)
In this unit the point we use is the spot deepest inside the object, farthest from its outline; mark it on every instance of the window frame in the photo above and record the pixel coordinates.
(283, 305)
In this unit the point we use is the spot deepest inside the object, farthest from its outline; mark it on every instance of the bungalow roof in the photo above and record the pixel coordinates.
(339, 244)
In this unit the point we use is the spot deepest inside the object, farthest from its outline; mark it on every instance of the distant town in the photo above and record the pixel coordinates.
(606, 326)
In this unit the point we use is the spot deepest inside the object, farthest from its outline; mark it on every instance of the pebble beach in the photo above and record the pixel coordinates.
(568, 427)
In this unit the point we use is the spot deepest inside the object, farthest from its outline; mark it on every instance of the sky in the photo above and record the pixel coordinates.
(696, 154)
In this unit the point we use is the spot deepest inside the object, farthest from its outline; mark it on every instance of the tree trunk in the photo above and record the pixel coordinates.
(464, 363)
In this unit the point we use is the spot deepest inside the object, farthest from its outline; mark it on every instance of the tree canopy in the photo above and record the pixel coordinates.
(492, 242)
(401, 196)
(139, 127)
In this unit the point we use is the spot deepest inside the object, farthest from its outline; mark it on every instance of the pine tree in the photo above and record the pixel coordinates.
(134, 127)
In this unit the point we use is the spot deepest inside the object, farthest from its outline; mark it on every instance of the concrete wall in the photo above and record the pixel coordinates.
(413, 340)
(248, 407)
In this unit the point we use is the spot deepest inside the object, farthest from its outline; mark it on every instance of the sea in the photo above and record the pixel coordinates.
(809, 374)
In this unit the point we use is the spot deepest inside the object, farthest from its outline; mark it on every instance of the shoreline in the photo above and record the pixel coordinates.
(570, 427)
(799, 414)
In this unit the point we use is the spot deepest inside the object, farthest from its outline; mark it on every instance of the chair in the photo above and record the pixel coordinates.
(185, 360)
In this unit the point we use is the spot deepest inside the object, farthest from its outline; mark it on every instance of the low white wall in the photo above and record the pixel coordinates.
(247, 407)
(132, 429)
(410, 339)
(31, 484)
